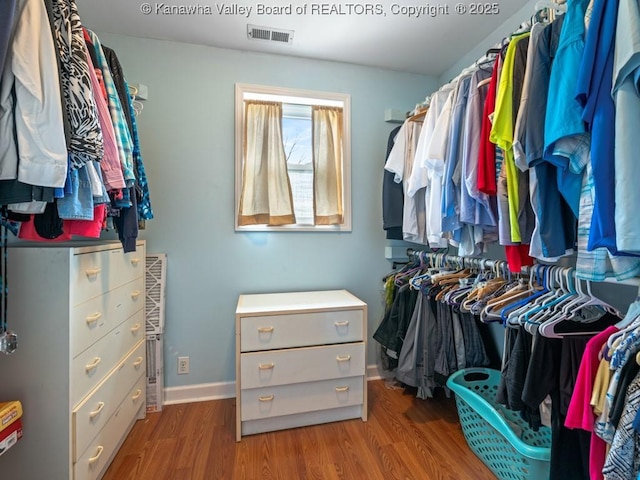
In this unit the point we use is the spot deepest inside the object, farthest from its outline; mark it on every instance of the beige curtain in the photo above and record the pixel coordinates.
(327, 165)
(266, 191)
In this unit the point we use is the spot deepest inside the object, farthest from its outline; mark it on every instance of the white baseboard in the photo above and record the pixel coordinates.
(199, 393)
(217, 391)
(374, 372)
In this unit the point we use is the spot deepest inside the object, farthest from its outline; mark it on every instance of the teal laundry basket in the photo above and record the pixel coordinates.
(498, 436)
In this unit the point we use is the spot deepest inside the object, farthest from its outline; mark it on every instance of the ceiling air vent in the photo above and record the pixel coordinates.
(269, 34)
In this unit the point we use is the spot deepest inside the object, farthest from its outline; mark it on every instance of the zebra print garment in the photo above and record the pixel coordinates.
(86, 137)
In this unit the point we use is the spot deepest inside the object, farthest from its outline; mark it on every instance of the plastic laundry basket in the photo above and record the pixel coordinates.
(497, 435)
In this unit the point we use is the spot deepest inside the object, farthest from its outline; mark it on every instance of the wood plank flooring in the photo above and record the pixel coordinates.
(404, 438)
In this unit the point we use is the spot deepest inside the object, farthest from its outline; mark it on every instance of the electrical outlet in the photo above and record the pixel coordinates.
(183, 365)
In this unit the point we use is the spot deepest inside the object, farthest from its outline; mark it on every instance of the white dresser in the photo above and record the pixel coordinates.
(79, 369)
(300, 360)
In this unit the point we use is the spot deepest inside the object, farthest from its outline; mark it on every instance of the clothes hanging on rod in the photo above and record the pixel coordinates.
(536, 173)
(77, 175)
(552, 319)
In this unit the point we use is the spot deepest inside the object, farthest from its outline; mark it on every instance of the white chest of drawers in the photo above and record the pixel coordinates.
(81, 361)
(300, 360)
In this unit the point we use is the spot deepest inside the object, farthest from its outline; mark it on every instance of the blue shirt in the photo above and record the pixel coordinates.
(564, 115)
(451, 191)
(594, 93)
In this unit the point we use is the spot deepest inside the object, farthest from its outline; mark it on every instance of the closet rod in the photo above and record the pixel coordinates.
(492, 263)
(463, 261)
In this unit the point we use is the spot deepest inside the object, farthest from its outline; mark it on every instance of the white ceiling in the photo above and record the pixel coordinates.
(426, 45)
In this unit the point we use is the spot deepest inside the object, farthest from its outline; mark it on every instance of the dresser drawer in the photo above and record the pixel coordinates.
(92, 365)
(92, 414)
(95, 273)
(301, 397)
(298, 365)
(93, 319)
(126, 266)
(93, 460)
(270, 332)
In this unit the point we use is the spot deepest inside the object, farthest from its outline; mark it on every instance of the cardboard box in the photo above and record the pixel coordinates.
(9, 413)
(10, 435)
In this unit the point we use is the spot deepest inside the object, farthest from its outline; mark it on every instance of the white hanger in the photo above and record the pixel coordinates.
(566, 294)
(551, 282)
(557, 6)
(627, 324)
(593, 300)
(534, 287)
(547, 309)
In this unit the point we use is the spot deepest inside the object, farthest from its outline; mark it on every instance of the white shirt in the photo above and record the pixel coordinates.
(400, 163)
(419, 187)
(36, 116)
(434, 162)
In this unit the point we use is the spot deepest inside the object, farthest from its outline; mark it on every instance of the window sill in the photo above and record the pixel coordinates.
(295, 228)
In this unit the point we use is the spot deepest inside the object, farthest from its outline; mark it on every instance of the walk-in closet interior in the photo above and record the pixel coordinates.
(307, 240)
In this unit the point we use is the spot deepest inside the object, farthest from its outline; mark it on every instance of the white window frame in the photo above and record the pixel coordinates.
(244, 91)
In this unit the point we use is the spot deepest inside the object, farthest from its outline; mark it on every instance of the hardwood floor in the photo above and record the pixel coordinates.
(404, 438)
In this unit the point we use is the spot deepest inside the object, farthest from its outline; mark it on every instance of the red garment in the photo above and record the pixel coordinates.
(87, 228)
(83, 228)
(28, 232)
(487, 155)
(517, 257)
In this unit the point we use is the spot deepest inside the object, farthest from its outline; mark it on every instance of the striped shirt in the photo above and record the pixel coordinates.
(598, 264)
(120, 126)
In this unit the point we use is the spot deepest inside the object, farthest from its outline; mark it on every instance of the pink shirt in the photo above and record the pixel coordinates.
(580, 413)
(110, 165)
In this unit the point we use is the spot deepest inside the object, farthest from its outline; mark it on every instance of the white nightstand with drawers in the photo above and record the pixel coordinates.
(300, 360)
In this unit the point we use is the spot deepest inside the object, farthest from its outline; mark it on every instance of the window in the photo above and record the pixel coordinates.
(292, 160)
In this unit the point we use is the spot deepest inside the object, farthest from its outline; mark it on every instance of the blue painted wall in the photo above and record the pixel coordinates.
(187, 135)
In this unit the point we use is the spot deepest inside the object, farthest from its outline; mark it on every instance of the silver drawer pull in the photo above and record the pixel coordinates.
(97, 411)
(344, 358)
(135, 261)
(342, 389)
(95, 458)
(265, 329)
(93, 365)
(93, 318)
(267, 398)
(342, 324)
(136, 395)
(266, 366)
(135, 328)
(135, 294)
(92, 272)
(138, 362)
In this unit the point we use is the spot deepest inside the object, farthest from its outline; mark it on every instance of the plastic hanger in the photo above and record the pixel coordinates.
(510, 314)
(587, 313)
(580, 299)
(493, 310)
(549, 291)
(628, 324)
(534, 317)
(555, 310)
(595, 301)
(547, 329)
(556, 6)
